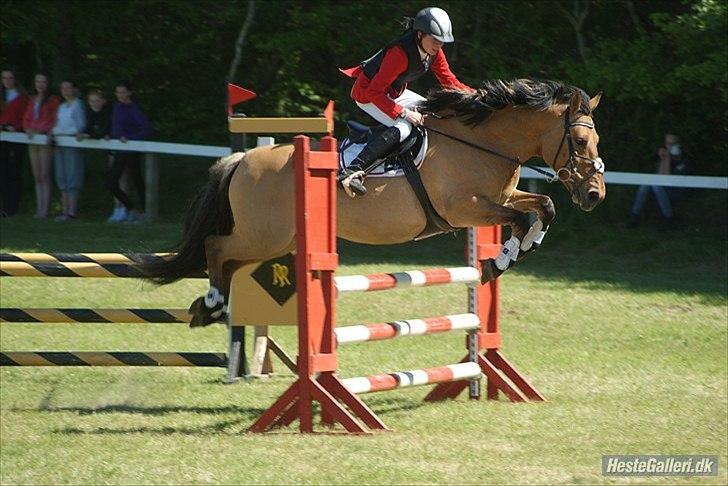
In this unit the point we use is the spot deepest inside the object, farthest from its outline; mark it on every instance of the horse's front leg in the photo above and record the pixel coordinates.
(480, 211)
(544, 210)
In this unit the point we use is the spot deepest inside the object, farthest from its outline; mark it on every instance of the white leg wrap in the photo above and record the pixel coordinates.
(539, 237)
(218, 313)
(532, 235)
(508, 253)
(213, 298)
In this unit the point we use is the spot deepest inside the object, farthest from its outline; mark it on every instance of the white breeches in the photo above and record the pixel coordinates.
(408, 99)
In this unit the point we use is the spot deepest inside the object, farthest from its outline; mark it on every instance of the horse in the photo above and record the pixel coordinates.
(477, 142)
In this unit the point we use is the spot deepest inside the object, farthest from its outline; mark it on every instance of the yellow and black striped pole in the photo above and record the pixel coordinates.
(48, 315)
(111, 358)
(94, 265)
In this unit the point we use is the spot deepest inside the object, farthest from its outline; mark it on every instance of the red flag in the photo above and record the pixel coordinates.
(236, 95)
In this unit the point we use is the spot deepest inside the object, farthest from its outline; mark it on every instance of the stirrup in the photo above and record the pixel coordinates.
(352, 182)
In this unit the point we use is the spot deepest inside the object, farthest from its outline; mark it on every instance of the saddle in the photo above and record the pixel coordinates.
(403, 159)
(409, 148)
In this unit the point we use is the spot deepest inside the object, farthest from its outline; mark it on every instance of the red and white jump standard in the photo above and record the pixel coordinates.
(315, 262)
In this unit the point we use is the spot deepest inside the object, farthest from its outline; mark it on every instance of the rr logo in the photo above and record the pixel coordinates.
(280, 275)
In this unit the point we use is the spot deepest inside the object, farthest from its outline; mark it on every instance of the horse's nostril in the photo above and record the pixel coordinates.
(593, 196)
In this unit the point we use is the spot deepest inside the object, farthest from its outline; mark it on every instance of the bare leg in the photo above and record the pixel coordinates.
(40, 164)
(46, 163)
(35, 167)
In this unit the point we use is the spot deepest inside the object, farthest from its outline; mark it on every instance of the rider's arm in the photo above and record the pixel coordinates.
(441, 70)
(393, 64)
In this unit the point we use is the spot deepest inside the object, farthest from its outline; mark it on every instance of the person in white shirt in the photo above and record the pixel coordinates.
(68, 161)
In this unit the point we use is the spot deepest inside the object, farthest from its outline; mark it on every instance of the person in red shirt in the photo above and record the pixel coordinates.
(39, 118)
(12, 107)
(381, 90)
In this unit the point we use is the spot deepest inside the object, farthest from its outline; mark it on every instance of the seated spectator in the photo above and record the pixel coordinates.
(13, 102)
(39, 118)
(69, 166)
(669, 161)
(128, 123)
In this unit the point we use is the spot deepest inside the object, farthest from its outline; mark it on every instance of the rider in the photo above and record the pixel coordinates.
(381, 90)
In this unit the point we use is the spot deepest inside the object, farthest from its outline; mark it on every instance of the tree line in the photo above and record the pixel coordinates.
(661, 64)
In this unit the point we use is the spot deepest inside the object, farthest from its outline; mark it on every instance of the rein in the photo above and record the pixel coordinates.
(549, 176)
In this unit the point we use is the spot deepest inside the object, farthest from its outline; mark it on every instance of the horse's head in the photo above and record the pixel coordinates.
(571, 151)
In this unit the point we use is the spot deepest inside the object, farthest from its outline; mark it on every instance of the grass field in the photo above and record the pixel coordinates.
(624, 332)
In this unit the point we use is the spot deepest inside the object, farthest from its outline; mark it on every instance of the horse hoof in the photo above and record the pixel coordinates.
(202, 315)
(489, 271)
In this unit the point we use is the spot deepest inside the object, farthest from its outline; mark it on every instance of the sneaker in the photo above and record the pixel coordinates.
(119, 216)
(65, 217)
(114, 215)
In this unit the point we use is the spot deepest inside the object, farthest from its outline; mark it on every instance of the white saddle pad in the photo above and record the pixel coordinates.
(348, 152)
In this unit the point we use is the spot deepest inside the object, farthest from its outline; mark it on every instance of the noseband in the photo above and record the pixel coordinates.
(569, 171)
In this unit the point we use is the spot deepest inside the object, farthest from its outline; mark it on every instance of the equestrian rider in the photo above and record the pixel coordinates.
(381, 90)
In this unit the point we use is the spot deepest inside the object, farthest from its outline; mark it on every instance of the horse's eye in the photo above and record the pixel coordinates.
(581, 142)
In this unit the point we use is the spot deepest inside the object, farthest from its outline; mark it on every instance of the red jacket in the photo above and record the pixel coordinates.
(378, 90)
(46, 118)
(12, 113)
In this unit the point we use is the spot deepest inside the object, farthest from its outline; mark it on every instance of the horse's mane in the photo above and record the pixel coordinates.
(497, 94)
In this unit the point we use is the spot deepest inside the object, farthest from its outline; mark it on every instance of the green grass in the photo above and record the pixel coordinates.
(624, 332)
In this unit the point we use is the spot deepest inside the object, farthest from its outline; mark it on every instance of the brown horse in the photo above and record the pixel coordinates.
(245, 213)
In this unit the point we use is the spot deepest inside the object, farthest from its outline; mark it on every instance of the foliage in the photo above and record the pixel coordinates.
(660, 63)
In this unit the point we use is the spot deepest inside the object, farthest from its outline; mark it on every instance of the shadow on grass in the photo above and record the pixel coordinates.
(246, 416)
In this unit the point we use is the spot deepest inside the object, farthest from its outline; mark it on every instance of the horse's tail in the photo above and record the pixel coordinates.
(209, 214)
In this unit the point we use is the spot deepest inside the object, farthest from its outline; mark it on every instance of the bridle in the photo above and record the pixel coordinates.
(564, 174)
(569, 170)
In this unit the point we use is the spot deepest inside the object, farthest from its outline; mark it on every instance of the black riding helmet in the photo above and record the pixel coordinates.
(435, 22)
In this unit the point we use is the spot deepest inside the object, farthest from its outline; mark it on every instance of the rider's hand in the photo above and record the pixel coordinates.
(414, 117)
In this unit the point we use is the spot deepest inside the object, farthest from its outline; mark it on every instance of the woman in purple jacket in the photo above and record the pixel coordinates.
(128, 123)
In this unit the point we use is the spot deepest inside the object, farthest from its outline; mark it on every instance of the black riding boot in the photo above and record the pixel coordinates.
(369, 158)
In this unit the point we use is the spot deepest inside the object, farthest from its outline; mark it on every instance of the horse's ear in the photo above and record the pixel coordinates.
(576, 103)
(594, 102)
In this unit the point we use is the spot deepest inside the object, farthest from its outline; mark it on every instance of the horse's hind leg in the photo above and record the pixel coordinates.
(224, 254)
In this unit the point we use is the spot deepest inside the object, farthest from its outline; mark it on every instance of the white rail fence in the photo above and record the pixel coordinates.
(151, 166)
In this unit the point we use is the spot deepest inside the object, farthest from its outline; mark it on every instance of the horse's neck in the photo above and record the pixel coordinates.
(512, 132)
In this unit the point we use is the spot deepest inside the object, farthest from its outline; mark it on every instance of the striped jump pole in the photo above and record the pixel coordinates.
(410, 327)
(413, 278)
(483, 346)
(112, 358)
(74, 269)
(100, 258)
(131, 316)
(404, 379)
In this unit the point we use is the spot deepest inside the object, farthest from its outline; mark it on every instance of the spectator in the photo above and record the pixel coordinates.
(128, 123)
(98, 127)
(39, 118)
(68, 161)
(13, 102)
(669, 161)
